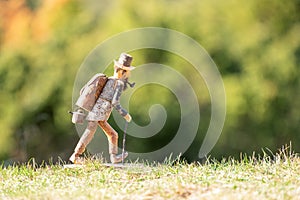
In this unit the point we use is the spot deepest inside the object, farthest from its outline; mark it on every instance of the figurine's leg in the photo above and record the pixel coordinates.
(84, 141)
(112, 137)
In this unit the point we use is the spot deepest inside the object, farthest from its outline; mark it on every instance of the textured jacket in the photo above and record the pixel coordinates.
(108, 99)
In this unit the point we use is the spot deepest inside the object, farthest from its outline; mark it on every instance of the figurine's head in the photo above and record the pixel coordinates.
(123, 66)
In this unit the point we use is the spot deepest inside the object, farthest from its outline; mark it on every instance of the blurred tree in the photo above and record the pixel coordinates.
(255, 44)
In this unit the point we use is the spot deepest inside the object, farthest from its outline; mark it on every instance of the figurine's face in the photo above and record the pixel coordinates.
(126, 74)
(122, 74)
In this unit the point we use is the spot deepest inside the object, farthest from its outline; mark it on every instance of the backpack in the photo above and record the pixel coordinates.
(91, 91)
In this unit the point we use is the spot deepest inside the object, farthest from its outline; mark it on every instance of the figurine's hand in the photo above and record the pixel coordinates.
(128, 118)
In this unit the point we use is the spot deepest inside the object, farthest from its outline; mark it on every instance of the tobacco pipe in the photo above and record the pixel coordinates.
(131, 84)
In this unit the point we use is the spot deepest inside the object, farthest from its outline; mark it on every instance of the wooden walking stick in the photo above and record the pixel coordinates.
(124, 138)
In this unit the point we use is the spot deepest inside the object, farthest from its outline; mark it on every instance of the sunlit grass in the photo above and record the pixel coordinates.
(251, 177)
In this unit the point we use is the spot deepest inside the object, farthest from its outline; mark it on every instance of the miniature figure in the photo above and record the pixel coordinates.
(99, 96)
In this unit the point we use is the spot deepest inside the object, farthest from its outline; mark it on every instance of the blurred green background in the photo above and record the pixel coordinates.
(255, 44)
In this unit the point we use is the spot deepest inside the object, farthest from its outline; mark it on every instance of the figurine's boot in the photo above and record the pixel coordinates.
(117, 158)
(75, 159)
(114, 158)
(112, 137)
(83, 142)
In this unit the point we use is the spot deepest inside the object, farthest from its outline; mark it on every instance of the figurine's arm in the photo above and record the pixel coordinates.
(116, 101)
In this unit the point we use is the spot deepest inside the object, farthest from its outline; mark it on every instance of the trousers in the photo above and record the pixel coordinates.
(88, 135)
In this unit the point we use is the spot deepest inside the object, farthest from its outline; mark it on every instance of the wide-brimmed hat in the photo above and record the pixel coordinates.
(124, 62)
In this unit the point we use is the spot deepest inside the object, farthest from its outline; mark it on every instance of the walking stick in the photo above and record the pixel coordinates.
(124, 138)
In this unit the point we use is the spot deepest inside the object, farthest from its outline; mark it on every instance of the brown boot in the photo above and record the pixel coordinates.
(75, 159)
(117, 158)
(113, 150)
(83, 142)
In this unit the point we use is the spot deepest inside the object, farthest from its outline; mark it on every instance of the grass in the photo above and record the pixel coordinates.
(267, 177)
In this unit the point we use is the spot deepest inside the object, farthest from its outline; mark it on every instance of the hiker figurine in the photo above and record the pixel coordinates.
(99, 96)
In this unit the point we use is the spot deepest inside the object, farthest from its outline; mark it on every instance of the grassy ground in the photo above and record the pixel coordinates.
(248, 178)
